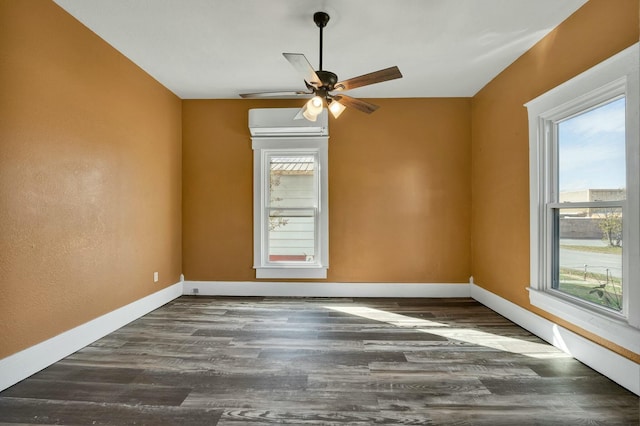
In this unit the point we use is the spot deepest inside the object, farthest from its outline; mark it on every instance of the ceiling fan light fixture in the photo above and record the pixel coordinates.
(315, 104)
(313, 108)
(336, 108)
(305, 114)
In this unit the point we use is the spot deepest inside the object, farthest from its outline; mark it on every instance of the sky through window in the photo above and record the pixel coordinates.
(591, 149)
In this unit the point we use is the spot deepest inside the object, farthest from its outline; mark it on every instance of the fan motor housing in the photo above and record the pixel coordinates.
(328, 79)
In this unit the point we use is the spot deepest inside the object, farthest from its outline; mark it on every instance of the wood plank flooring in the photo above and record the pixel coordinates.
(259, 361)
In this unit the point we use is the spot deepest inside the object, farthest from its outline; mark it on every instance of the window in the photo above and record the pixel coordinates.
(290, 207)
(587, 204)
(585, 200)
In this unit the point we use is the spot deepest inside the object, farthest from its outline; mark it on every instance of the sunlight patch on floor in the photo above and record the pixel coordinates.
(467, 335)
(388, 317)
(501, 343)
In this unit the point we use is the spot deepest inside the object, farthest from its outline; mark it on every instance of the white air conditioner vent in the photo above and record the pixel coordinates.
(279, 122)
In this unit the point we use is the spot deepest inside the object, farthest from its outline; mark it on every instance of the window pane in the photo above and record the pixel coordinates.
(292, 181)
(588, 255)
(292, 236)
(591, 155)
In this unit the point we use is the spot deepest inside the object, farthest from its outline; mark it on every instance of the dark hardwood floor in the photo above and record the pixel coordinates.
(255, 361)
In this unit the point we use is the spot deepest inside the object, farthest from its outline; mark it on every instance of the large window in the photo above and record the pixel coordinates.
(290, 207)
(585, 221)
(587, 205)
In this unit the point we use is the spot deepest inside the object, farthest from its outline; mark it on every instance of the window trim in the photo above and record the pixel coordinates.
(618, 75)
(262, 149)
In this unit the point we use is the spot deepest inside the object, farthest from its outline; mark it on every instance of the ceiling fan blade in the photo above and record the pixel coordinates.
(371, 78)
(358, 104)
(302, 65)
(291, 94)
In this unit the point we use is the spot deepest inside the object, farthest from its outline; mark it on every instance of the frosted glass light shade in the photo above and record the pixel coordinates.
(336, 108)
(313, 108)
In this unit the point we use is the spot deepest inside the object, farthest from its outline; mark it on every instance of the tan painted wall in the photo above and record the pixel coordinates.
(90, 176)
(399, 191)
(500, 168)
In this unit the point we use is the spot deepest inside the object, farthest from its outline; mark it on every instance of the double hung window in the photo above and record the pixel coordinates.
(290, 207)
(586, 206)
(585, 200)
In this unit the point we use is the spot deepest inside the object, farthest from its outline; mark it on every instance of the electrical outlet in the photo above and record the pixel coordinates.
(155, 277)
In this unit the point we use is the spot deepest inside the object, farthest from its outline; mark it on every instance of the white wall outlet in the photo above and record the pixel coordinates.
(155, 277)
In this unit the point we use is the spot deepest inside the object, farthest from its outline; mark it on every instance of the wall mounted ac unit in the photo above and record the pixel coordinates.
(279, 122)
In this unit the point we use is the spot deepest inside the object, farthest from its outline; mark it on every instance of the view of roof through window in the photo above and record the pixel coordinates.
(292, 164)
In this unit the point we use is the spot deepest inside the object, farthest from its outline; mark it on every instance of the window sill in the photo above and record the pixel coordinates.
(314, 272)
(614, 330)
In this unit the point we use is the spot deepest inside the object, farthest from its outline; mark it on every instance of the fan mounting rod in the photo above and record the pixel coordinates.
(321, 19)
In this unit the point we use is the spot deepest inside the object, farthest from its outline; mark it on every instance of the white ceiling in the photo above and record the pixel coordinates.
(202, 49)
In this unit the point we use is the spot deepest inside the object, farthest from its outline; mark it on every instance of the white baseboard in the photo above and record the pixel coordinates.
(23, 364)
(323, 289)
(616, 367)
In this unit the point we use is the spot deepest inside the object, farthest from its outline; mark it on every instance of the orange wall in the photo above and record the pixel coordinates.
(90, 176)
(399, 191)
(500, 157)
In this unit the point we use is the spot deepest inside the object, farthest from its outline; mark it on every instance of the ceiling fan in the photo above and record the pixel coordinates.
(321, 84)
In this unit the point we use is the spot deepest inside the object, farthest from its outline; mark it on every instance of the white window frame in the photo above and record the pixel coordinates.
(263, 148)
(616, 76)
